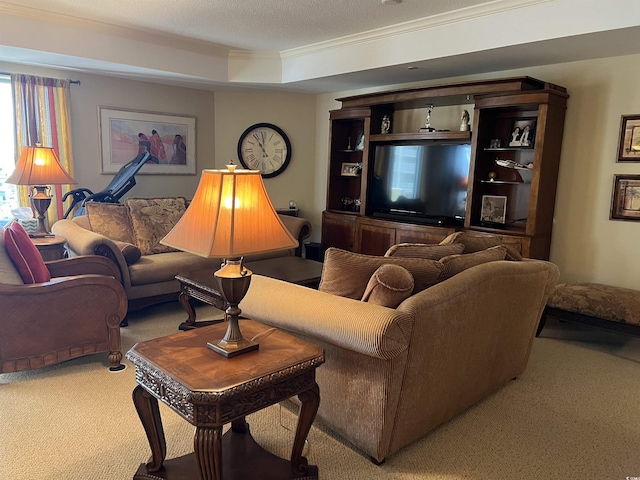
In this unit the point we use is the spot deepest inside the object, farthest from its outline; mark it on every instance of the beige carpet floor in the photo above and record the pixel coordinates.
(573, 414)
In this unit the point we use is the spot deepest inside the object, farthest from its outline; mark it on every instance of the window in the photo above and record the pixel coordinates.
(8, 192)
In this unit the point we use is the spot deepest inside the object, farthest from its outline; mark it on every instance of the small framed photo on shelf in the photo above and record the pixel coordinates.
(523, 133)
(350, 169)
(629, 145)
(494, 210)
(625, 201)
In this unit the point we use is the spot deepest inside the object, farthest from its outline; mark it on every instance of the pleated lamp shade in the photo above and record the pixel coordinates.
(230, 216)
(39, 166)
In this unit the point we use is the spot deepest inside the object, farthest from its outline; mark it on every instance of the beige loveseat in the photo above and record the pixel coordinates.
(129, 234)
(393, 374)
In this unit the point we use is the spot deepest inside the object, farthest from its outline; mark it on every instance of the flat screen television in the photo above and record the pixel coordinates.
(420, 183)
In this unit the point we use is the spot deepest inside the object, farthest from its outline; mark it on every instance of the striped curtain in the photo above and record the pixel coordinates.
(42, 116)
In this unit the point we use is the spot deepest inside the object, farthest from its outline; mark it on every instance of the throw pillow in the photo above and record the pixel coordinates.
(152, 219)
(454, 264)
(389, 286)
(24, 255)
(347, 274)
(8, 273)
(111, 220)
(423, 250)
(130, 252)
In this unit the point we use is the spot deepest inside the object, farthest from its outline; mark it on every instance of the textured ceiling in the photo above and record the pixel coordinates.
(265, 25)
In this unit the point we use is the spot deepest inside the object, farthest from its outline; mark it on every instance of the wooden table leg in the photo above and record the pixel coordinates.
(185, 301)
(149, 413)
(310, 400)
(207, 446)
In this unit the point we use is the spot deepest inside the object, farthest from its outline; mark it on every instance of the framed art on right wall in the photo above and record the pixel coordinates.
(625, 201)
(629, 144)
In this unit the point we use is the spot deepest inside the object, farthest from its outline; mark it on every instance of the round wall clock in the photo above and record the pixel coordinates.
(264, 147)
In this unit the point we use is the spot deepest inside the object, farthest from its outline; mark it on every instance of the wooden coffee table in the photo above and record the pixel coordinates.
(209, 391)
(201, 285)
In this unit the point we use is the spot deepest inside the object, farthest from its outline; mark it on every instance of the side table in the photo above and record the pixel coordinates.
(209, 391)
(51, 248)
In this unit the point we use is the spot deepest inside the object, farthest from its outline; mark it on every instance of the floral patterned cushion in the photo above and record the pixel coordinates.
(598, 300)
(152, 219)
(111, 220)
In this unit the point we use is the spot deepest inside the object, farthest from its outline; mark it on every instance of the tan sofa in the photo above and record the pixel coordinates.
(393, 374)
(150, 279)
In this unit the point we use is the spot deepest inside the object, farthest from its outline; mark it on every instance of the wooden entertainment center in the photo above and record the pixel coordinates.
(523, 182)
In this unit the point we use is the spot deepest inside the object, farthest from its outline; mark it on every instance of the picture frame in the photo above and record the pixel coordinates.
(124, 133)
(629, 143)
(350, 169)
(522, 133)
(494, 210)
(625, 199)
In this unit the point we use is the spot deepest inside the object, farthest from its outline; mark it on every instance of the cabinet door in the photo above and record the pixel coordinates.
(374, 239)
(419, 234)
(338, 231)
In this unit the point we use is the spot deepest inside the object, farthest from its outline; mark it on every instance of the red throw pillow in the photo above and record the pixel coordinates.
(24, 255)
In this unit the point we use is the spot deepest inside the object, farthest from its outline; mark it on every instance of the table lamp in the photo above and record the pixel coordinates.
(38, 167)
(230, 216)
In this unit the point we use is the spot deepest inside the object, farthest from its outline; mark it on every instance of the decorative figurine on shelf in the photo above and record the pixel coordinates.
(386, 125)
(464, 121)
(360, 144)
(492, 176)
(348, 143)
(427, 126)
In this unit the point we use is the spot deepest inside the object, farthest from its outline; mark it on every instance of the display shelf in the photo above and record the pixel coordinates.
(396, 137)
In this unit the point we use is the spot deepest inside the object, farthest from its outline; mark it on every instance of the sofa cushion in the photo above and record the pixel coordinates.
(454, 264)
(8, 272)
(475, 242)
(130, 252)
(389, 286)
(423, 250)
(152, 219)
(163, 267)
(347, 274)
(111, 220)
(24, 255)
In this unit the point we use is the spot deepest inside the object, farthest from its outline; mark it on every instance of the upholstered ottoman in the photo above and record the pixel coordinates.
(595, 304)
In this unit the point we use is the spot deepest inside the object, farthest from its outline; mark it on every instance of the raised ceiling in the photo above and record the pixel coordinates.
(311, 45)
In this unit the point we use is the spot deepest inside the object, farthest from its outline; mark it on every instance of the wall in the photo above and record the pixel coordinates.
(295, 115)
(220, 120)
(586, 245)
(97, 90)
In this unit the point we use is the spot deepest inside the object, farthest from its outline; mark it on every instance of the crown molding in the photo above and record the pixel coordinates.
(464, 14)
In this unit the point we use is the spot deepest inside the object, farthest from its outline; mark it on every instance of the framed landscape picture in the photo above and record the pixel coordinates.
(170, 138)
(625, 201)
(629, 144)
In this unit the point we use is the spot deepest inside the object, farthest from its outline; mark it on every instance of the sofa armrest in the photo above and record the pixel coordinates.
(82, 265)
(299, 227)
(362, 327)
(81, 241)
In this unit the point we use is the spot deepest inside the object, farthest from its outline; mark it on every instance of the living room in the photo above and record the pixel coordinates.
(586, 244)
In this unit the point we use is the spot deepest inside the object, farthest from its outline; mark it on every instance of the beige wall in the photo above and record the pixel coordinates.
(586, 245)
(293, 113)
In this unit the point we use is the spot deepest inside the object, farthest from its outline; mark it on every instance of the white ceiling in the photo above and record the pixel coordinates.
(311, 45)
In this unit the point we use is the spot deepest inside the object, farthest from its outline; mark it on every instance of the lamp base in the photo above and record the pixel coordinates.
(232, 349)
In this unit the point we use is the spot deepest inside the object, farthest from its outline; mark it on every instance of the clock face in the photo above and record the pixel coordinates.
(264, 147)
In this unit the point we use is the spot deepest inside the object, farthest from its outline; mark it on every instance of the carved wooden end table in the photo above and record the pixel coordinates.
(209, 391)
